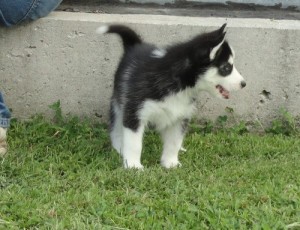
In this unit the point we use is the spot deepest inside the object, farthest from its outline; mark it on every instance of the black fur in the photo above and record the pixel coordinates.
(129, 37)
(154, 78)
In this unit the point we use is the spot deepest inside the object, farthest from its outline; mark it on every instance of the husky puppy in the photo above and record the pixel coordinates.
(159, 86)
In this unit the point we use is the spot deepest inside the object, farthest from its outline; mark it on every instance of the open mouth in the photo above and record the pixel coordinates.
(223, 91)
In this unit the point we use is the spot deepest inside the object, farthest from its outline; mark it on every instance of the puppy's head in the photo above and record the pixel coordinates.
(219, 77)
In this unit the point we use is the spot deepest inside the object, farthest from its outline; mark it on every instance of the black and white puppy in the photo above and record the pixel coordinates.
(159, 86)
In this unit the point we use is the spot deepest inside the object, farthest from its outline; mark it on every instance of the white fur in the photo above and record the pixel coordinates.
(183, 149)
(102, 29)
(169, 111)
(212, 78)
(214, 51)
(233, 81)
(230, 60)
(172, 137)
(158, 53)
(232, 51)
(116, 133)
(167, 115)
(132, 147)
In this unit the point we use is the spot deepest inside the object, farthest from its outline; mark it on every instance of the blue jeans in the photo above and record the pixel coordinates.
(13, 12)
(4, 113)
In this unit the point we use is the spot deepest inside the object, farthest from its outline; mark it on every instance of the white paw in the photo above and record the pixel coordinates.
(118, 149)
(170, 163)
(182, 149)
(133, 165)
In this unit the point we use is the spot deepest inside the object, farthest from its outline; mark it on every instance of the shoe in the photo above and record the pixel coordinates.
(3, 144)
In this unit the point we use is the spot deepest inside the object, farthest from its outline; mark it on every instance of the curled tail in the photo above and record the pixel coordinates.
(129, 37)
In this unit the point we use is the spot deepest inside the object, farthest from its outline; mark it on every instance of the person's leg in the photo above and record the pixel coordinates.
(13, 12)
(4, 124)
(41, 8)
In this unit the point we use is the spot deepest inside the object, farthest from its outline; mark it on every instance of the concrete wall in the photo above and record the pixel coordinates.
(61, 58)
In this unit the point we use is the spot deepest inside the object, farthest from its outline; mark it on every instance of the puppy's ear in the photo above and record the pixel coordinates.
(218, 41)
(222, 30)
(204, 47)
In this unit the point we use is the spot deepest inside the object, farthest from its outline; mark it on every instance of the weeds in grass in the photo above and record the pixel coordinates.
(224, 123)
(285, 124)
(65, 175)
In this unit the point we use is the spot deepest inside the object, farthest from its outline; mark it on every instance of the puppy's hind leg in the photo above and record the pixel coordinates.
(132, 147)
(116, 126)
(172, 137)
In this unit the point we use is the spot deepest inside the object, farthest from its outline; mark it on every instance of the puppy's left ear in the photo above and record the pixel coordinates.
(222, 30)
(219, 39)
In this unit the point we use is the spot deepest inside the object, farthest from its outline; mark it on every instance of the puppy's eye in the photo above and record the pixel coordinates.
(225, 69)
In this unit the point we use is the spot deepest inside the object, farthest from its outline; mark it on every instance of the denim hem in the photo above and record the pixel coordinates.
(25, 10)
(33, 5)
(4, 122)
(6, 23)
(40, 8)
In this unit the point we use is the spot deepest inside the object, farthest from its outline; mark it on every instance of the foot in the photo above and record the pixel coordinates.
(182, 149)
(170, 163)
(132, 165)
(3, 144)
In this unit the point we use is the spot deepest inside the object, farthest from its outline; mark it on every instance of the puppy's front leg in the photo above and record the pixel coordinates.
(172, 137)
(132, 147)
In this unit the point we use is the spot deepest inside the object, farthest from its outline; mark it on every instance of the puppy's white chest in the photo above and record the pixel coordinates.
(167, 112)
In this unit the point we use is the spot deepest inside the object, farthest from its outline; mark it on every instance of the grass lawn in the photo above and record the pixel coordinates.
(66, 176)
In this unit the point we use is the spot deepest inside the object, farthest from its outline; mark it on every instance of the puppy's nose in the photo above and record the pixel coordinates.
(243, 84)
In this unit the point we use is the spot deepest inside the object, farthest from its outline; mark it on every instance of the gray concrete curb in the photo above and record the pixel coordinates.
(61, 58)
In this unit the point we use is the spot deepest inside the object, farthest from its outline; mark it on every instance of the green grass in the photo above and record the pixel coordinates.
(65, 175)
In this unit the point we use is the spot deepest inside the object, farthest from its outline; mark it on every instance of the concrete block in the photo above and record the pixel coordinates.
(62, 58)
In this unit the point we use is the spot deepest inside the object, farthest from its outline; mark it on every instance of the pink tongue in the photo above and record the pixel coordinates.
(223, 91)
